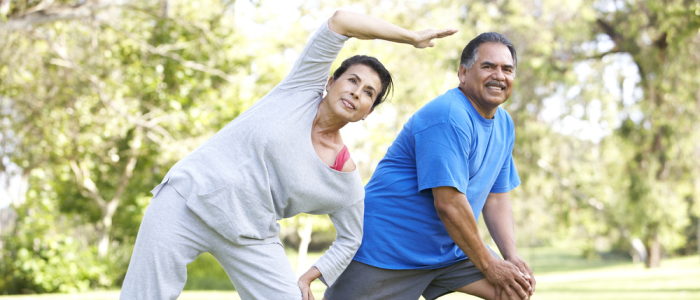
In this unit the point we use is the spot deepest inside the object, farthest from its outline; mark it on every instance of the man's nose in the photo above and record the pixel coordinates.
(499, 75)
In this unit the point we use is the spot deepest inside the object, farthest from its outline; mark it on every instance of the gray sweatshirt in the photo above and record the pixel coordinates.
(262, 166)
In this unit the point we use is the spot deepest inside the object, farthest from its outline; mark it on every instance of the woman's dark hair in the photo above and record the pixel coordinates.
(378, 67)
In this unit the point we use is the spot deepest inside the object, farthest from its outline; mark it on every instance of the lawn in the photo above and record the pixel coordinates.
(560, 275)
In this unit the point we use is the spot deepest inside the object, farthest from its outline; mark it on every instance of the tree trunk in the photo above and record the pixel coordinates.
(654, 258)
(107, 215)
(305, 235)
(103, 244)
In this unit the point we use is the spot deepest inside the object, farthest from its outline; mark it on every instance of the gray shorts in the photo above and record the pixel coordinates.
(362, 281)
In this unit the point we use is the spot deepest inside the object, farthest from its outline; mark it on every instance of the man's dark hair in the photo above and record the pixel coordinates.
(470, 52)
(378, 67)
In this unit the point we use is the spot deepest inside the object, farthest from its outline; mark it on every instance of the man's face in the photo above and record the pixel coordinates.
(489, 81)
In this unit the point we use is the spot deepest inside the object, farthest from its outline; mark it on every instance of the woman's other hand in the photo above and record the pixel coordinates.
(305, 283)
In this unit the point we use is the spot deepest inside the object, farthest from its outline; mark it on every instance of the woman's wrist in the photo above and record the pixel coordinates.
(310, 275)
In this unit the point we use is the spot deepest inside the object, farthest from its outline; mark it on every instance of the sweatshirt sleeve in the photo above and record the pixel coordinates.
(312, 68)
(348, 225)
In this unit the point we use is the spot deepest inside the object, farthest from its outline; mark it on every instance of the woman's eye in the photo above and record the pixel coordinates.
(368, 93)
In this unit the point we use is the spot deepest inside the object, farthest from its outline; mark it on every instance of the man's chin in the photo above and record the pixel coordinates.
(496, 101)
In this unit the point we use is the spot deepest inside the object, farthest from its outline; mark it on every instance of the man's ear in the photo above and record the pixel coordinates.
(462, 73)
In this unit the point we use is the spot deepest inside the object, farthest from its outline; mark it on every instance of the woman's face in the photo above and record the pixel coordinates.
(353, 93)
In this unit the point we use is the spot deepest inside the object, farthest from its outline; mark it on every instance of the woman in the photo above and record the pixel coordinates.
(282, 157)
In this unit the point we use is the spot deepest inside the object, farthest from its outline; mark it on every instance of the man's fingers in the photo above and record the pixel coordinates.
(498, 292)
(510, 294)
(523, 282)
(516, 289)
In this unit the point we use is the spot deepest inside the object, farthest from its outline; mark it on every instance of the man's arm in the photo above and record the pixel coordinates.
(498, 216)
(457, 215)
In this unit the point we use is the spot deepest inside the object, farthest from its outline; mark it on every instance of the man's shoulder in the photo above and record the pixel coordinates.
(444, 109)
(503, 118)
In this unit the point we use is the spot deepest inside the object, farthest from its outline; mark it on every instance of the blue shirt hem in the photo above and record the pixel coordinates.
(394, 267)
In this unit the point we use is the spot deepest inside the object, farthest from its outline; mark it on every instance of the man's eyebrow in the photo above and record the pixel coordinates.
(360, 80)
(490, 64)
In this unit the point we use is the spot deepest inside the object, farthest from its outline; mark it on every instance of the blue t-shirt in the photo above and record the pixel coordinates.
(445, 143)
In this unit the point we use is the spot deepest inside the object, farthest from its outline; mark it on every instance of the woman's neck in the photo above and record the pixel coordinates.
(326, 125)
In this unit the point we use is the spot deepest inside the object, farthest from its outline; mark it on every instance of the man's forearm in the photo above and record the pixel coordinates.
(498, 216)
(457, 215)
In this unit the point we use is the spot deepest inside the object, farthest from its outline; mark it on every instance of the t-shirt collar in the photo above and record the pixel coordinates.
(472, 109)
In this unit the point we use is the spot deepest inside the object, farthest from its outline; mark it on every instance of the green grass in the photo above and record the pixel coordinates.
(560, 274)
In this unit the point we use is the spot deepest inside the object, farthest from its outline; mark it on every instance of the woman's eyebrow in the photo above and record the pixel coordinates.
(360, 80)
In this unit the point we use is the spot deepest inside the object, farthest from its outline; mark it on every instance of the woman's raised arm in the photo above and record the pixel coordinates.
(366, 27)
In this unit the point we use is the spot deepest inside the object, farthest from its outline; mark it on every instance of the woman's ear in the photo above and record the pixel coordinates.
(330, 82)
(370, 112)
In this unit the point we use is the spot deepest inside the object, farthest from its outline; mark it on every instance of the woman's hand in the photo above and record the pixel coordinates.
(425, 38)
(366, 27)
(305, 288)
(305, 283)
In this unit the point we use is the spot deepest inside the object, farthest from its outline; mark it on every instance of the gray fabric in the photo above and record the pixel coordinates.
(171, 236)
(262, 166)
(362, 281)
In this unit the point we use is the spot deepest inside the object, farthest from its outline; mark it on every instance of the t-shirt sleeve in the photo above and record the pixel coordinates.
(442, 153)
(312, 68)
(507, 178)
(348, 225)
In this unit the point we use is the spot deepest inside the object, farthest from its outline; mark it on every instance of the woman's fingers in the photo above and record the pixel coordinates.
(305, 291)
(446, 32)
(426, 36)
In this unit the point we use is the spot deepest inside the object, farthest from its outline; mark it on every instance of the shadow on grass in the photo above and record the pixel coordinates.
(606, 291)
(554, 260)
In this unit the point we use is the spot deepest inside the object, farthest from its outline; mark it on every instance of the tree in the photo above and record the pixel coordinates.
(659, 37)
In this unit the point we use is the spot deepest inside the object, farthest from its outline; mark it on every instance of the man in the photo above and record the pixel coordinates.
(451, 161)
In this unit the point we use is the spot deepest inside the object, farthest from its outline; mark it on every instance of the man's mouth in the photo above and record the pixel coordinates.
(348, 104)
(497, 86)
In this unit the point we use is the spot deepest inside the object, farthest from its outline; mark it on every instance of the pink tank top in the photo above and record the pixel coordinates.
(340, 160)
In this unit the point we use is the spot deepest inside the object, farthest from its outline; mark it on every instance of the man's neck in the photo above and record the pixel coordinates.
(485, 111)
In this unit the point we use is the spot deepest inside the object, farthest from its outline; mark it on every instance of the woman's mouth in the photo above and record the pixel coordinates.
(348, 104)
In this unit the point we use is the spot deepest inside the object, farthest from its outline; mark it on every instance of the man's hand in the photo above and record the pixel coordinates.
(525, 269)
(507, 279)
(305, 280)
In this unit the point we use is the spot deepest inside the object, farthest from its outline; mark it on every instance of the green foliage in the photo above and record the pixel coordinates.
(205, 273)
(94, 112)
(46, 253)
